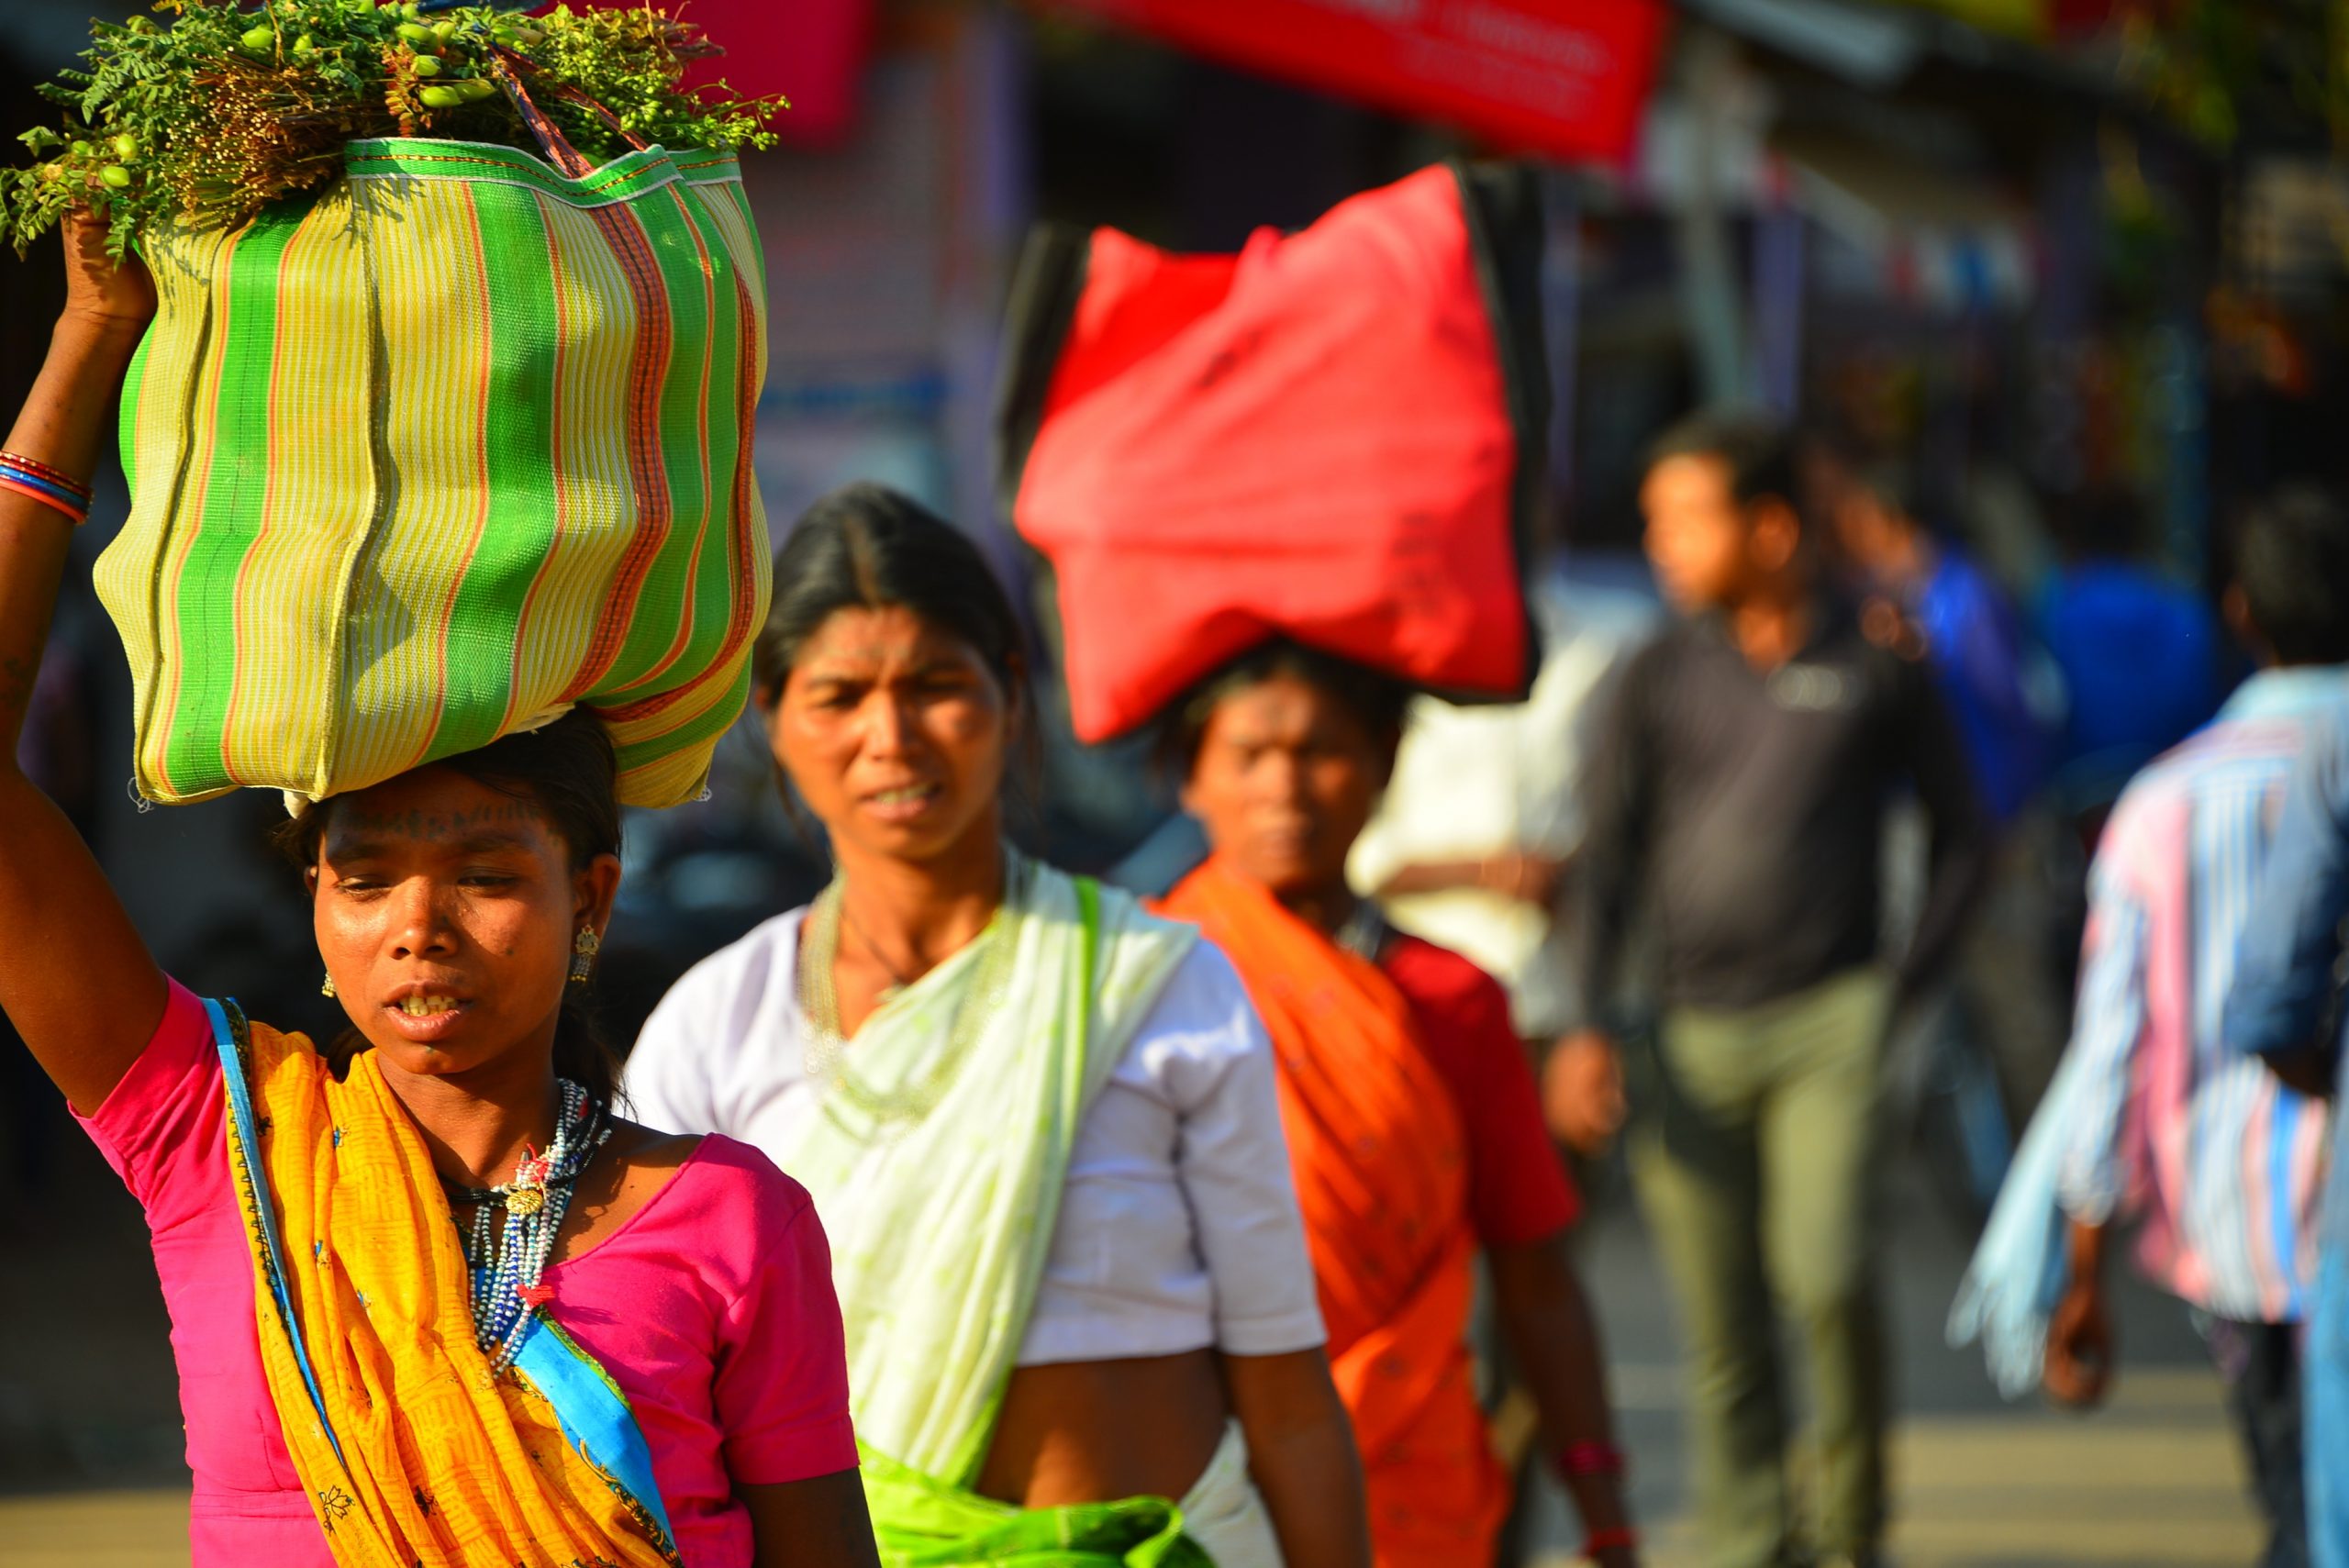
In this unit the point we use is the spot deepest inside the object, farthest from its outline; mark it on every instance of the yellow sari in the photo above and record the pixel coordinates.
(414, 1453)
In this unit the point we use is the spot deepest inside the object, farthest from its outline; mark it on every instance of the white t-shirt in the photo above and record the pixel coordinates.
(1179, 1227)
(1473, 782)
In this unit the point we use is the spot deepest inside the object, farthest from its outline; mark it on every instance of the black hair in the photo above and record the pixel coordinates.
(569, 768)
(1377, 701)
(1758, 452)
(868, 547)
(2291, 561)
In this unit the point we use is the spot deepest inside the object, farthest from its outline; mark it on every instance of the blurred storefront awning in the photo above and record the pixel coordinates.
(2038, 20)
(1873, 46)
(1876, 44)
(1566, 78)
(1934, 237)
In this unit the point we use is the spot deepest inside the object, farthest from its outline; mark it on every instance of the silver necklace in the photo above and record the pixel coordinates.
(897, 980)
(824, 1055)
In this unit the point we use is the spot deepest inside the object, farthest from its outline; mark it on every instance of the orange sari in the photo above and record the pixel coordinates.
(1382, 1174)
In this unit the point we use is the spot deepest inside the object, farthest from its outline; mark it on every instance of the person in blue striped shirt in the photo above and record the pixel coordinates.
(2217, 1161)
(2285, 1009)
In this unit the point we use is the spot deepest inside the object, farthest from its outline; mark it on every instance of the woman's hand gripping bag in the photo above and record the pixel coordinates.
(460, 444)
(1334, 437)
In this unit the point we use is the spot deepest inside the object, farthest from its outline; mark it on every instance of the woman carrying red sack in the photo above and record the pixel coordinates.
(1414, 1126)
(432, 1302)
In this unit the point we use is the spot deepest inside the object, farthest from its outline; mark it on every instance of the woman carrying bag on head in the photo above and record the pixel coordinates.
(1332, 436)
(1040, 1124)
(1412, 1114)
(432, 1301)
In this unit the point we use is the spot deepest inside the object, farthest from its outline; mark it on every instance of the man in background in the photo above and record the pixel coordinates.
(2285, 1009)
(2142, 655)
(1921, 591)
(1918, 585)
(2227, 1158)
(1739, 798)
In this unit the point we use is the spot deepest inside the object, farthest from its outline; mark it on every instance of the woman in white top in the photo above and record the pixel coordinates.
(1041, 1125)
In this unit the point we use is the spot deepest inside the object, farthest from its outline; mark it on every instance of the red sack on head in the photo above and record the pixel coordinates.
(1335, 436)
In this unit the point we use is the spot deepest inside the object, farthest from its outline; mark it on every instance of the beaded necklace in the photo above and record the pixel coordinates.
(505, 1268)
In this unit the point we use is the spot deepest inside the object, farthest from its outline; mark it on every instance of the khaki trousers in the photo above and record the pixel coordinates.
(1754, 1154)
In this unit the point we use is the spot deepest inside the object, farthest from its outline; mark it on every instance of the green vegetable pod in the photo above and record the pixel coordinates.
(440, 98)
(426, 66)
(115, 177)
(125, 147)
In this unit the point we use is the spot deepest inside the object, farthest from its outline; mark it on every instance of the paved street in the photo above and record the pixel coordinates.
(88, 1433)
(2153, 1480)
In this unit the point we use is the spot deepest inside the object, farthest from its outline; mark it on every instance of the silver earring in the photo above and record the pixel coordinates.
(584, 949)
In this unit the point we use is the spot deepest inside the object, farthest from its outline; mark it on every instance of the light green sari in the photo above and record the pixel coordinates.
(937, 1162)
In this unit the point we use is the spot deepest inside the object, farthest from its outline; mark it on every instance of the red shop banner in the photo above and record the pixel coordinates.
(810, 51)
(1562, 77)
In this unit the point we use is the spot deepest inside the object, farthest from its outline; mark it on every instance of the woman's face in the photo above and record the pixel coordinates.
(446, 912)
(1286, 778)
(894, 732)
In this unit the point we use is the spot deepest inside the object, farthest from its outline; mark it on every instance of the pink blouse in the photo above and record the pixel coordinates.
(711, 1307)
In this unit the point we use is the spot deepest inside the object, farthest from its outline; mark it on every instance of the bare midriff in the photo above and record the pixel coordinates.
(1096, 1432)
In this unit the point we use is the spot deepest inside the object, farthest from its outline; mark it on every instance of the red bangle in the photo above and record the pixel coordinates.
(35, 490)
(1591, 1459)
(1622, 1538)
(42, 471)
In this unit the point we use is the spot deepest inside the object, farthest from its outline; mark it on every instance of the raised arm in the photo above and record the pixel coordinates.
(75, 979)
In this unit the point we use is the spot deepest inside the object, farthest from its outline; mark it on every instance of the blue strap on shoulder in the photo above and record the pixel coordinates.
(594, 1417)
(246, 1127)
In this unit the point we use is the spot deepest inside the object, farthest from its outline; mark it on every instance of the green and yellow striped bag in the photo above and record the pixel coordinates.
(458, 446)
